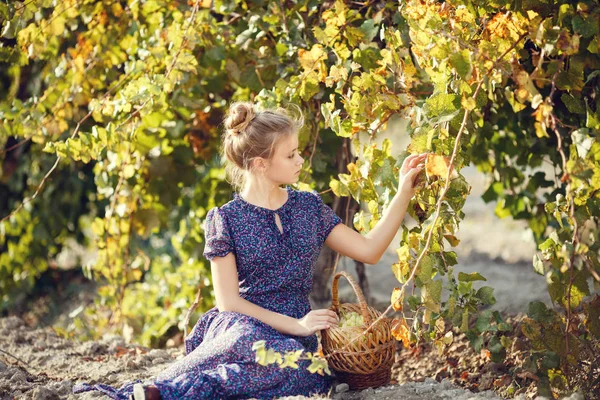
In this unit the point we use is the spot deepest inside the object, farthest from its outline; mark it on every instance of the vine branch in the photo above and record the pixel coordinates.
(441, 198)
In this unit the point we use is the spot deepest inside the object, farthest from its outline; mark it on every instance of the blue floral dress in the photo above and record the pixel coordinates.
(275, 271)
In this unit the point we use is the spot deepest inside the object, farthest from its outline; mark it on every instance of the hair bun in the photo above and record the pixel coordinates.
(239, 117)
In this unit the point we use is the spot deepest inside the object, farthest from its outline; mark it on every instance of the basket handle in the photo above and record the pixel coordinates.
(335, 303)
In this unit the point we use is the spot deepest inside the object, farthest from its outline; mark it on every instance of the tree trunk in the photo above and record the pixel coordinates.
(321, 292)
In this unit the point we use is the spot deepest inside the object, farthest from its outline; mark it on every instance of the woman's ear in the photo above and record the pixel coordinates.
(260, 165)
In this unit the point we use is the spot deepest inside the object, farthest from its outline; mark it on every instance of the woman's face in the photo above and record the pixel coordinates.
(286, 163)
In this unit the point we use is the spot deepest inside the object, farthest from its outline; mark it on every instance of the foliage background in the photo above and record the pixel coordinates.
(110, 114)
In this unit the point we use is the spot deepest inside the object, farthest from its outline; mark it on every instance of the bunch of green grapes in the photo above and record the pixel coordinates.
(351, 320)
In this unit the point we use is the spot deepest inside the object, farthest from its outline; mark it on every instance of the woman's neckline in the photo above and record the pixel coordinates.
(288, 189)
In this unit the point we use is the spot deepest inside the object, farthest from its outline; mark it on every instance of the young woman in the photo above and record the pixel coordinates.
(263, 246)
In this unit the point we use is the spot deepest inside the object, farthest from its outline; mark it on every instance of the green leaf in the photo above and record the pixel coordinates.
(593, 319)
(435, 290)
(493, 191)
(579, 290)
(451, 258)
(464, 325)
(413, 302)
(593, 119)
(538, 265)
(547, 245)
(587, 27)
(461, 61)
(426, 269)
(441, 105)
(369, 29)
(539, 312)
(483, 323)
(574, 105)
(473, 276)
(432, 294)
(464, 288)
(486, 295)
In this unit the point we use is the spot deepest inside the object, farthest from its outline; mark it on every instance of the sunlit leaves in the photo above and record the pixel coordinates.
(397, 299)
(401, 331)
(438, 166)
(442, 105)
(266, 356)
(473, 276)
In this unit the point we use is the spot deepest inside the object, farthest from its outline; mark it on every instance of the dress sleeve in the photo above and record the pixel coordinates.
(218, 240)
(327, 217)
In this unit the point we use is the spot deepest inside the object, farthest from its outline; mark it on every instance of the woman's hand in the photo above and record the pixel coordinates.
(411, 166)
(314, 321)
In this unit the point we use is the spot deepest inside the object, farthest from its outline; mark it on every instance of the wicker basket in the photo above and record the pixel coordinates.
(368, 361)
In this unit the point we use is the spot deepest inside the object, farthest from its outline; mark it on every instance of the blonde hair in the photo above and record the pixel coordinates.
(250, 134)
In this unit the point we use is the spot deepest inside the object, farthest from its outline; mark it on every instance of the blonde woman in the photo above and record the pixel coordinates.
(263, 246)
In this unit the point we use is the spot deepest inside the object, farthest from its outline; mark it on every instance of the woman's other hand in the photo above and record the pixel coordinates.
(314, 321)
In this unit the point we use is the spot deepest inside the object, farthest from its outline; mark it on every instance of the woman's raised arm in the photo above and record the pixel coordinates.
(370, 247)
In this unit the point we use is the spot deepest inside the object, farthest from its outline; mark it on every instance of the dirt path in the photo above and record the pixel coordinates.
(49, 366)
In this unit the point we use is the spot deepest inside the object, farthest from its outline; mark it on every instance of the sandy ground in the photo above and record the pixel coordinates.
(48, 366)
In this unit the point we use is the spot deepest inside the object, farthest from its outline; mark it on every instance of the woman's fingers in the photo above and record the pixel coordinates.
(412, 161)
(326, 319)
(416, 161)
(413, 173)
(407, 161)
(327, 312)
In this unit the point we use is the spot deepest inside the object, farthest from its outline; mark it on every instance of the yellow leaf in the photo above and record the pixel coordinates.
(468, 103)
(401, 331)
(440, 326)
(522, 77)
(464, 326)
(522, 95)
(261, 356)
(336, 73)
(397, 299)
(116, 9)
(57, 26)
(452, 240)
(309, 59)
(540, 130)
(79, 64)
(400, 270)
(273, 357)
(414, 239)
(319, 365)
(437, 165)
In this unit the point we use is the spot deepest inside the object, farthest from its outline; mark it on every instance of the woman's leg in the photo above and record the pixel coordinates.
(243, 380)
(226, 366)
